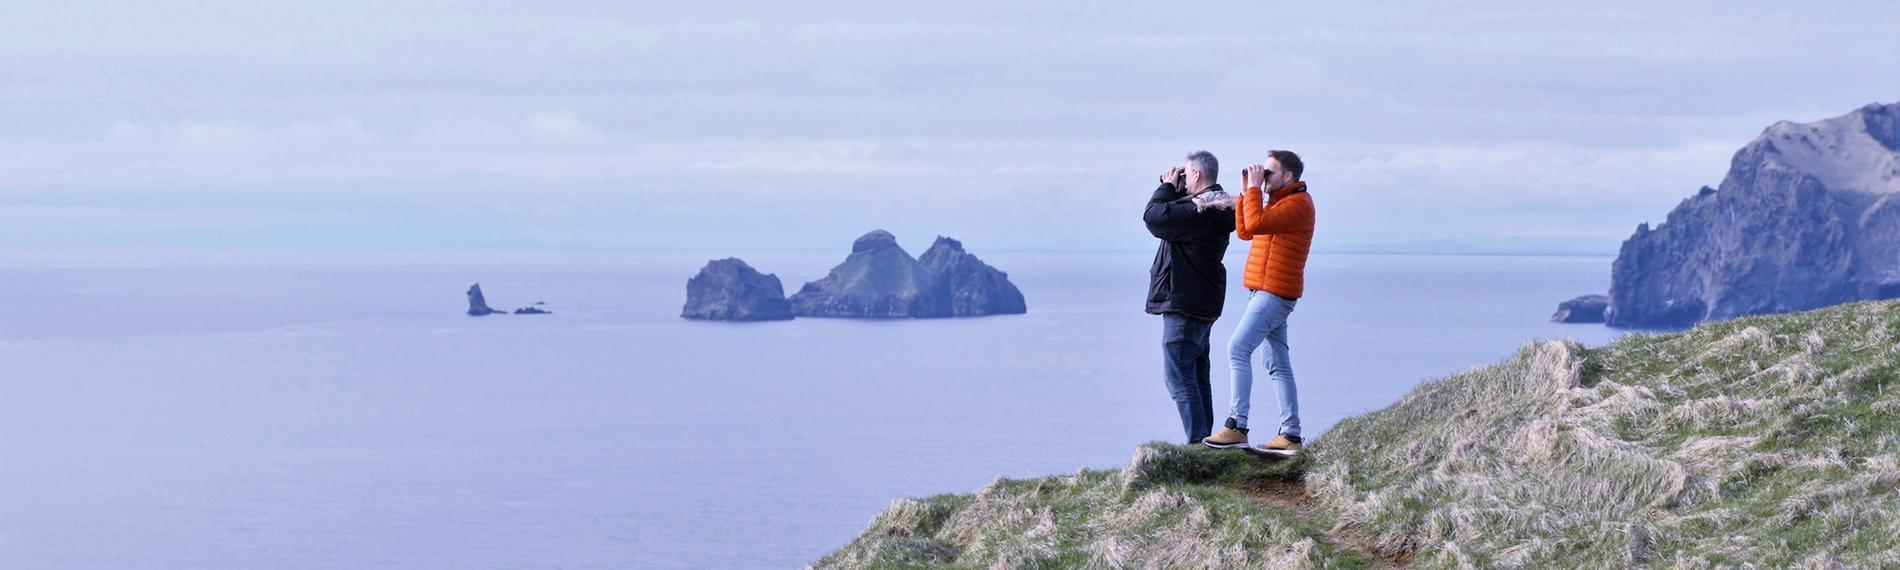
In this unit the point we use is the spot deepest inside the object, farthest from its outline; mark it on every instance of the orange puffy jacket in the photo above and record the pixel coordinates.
(1282, 231)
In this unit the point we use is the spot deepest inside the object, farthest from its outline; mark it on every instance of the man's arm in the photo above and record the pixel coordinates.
(1240, 218)
(1251, 177)
(1261, 220)
(1169, 217)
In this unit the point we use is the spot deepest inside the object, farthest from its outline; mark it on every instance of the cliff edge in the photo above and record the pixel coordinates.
(1766, 441)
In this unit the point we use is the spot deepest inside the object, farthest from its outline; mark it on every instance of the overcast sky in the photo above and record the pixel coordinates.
(615, 126)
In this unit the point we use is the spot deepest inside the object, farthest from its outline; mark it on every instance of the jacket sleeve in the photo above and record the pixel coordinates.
(1260, 220)
(1240, 218)
(1171, 218)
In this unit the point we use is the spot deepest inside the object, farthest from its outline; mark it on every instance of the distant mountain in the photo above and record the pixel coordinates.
(1808, 216)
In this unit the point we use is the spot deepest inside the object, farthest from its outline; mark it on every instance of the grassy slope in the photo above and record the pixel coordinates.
(1770, 441)
(1174, 506)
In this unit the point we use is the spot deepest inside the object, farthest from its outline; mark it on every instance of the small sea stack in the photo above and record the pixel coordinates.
(478, 305)
(1584, 309)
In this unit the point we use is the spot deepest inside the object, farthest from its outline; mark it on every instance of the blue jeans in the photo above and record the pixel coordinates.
(1265, 320)
(1184, 349)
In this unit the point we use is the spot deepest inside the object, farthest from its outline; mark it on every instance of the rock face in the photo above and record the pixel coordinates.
(975, 288)
(881, 281)
(1585, 309)
(1808, 216)
(478, 306)
(729, 290)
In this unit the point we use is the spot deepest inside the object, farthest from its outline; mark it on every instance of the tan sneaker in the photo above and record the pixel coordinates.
(1282, 445)
(1230, 436)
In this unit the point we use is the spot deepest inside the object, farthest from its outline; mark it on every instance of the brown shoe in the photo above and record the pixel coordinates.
(1230, 436)
(1282, 445)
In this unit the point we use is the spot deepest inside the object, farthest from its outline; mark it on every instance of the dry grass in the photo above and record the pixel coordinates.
(1759, 442)
(1172, 507)
(1765, 441)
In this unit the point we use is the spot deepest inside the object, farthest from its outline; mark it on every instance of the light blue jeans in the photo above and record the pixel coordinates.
(1265, 320)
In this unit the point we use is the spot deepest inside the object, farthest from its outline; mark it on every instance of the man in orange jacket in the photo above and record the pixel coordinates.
(1280, 225)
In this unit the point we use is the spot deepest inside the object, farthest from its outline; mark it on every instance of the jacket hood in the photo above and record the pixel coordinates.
(1214, 198)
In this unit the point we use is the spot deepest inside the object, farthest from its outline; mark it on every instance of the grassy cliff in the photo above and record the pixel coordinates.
(1768, 441)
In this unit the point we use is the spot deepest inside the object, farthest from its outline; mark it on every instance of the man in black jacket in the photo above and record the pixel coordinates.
(1187, 285)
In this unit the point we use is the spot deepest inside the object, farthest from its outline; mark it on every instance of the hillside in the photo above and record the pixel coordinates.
(1770, 441)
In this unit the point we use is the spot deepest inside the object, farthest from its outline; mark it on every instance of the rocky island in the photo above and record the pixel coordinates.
(478, 305)
(879, 280)
(1807, 216)
(1584, 309)
(729, 290)
(974, 288)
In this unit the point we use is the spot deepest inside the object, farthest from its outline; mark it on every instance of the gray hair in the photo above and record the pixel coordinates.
(1206, 163)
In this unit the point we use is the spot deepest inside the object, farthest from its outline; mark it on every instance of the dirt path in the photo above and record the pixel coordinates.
(1291, 494)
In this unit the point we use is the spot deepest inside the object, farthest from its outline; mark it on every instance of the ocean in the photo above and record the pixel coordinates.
(308, 412)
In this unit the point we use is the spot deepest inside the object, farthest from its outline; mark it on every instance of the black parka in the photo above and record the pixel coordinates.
(1187, 276)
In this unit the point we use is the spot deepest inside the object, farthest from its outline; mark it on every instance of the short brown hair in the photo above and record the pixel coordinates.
(1288, 161)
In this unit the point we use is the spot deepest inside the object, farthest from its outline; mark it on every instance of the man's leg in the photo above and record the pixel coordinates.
(1247, 337)
(1204, 405)
(1280, 365)
(1177, 353)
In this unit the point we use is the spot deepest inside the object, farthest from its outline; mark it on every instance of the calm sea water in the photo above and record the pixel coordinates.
(299, 414)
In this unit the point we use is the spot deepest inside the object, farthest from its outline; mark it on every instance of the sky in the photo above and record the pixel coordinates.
(1458, 127)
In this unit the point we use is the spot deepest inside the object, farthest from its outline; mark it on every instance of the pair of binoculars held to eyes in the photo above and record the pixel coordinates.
(1180, 180)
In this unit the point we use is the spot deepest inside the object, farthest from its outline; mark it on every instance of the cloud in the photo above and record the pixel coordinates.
(1031, 121)
(542, 145)
(1555, 175)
